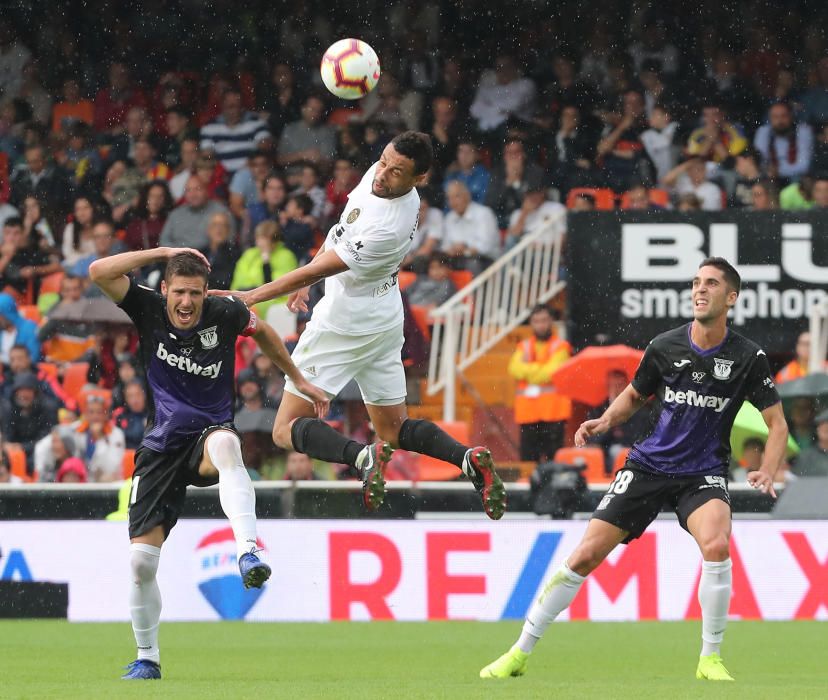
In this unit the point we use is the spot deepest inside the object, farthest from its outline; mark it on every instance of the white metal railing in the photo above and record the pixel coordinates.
(818, 321)
(481, 314)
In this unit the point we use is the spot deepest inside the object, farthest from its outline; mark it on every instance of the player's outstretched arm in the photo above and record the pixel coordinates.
(272, 346)
(619, 411)
(110, 274)
(324, 265)
(775, 446)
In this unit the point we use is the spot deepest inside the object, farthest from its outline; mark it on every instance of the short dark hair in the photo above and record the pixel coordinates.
(540, 309)
(416, 146)
(20, 346)
(731, 276)
(186, 265)
(182, 112)
(304, 202)
(13, 221)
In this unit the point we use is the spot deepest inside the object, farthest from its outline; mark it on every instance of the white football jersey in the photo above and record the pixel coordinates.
(372, 238)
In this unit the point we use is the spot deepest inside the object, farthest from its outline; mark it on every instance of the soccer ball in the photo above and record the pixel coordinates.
(350, 69)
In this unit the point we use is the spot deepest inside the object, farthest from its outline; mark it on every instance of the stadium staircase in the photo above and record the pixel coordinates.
(475, 333)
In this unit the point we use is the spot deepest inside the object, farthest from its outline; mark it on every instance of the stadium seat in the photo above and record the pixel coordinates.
(128, 463)
(461, 278)
(30, 312)
(74, 378)
(591, 457)
(50, 369)
(421, 318)
(50, 284)
(17, 463)
(406, 279)
(431, 469)
(104, 394)
(620, 460)
(604, 197)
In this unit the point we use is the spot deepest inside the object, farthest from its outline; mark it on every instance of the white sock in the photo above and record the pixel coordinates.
(714, 597)
(555, 597)
(236, 493)
(145, 599)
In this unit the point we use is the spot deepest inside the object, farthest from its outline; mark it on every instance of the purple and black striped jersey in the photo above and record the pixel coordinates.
(700, 392)
(190, 374)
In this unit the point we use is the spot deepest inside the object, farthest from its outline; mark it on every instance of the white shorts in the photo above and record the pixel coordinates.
(330, 360)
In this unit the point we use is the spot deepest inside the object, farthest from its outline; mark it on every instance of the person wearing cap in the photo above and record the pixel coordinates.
(534, 211)
(27, 416)
(813, 460)
(72, 471)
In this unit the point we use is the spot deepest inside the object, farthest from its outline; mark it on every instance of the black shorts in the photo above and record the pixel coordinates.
(636, 497)
(160, 480)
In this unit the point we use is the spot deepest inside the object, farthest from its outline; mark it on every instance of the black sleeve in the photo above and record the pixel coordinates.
(647, 377)
(761, 391)
(140, 303)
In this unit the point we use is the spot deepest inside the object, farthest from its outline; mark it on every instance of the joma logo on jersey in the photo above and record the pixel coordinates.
(185, 364)
(692, 398)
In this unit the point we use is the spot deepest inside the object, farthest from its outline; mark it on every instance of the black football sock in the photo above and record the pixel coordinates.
(319, 440)
(429, 439)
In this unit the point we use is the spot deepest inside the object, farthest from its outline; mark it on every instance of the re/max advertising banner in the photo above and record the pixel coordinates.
(420, 570)
(629, 273)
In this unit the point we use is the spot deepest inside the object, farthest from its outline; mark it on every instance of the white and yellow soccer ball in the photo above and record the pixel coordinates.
(350, 69)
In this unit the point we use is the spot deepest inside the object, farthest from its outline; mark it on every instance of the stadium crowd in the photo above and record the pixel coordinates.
(119, 131)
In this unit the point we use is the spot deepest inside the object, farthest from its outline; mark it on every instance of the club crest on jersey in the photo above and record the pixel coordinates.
(721, 368)
(208, 337)
(353, 215)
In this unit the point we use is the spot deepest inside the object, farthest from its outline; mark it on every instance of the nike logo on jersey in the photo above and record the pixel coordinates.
(187, 365)
(692, 398)
(681, 363)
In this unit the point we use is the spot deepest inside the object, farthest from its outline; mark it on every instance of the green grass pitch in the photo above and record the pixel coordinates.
(46, 659)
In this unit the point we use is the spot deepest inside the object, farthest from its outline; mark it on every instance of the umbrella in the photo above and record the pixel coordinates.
(748, 424)
(810, 386)
(584, 377)
(95, 310)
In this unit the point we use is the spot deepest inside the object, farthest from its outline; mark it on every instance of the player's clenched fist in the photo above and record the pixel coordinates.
(588, 428)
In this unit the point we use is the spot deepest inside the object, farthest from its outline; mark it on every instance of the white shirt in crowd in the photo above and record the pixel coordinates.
(430, 227)
(495, 103)
(661, 149)
(545, 212)
(709, 194)
(372, 238)
(477, 229)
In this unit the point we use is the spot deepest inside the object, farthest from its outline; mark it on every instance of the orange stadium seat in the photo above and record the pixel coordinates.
(591, 457)
(17, 463)
(128, 463)
(461, 278)
(406, 279)
(431, 469)
(30, 312)
(74, 378)
(50, 369)
(620, 460)
(420, 314)
(50, 284)
(604, 197)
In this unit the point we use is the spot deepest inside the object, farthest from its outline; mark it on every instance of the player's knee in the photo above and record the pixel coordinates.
(224, 450)
(585, 559)
(715, 548)
(282, 434)
(144, 567)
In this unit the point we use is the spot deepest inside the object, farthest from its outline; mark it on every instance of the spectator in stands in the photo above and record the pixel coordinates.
(254, 420)
(80, 159)
(820, 192)
(122, 185)
(655, 47)
(246, 183)
(114, 101)
(815, 100)
(7, 211)
(428, 235)
(470, 234)
(186, 167)
(64, 340)
(798, 195)
(270, 379)
(503, 94)
(221, 252)
(22, 261)
(235, 135)
(213, 175)
(445, 134)
(104, 239)
(51, 451)
(638, 198)
(132, 418)
(21, 364)
(308, 139)
(753, 450)
(14, 55)
(688, 202)
(6, 477)
(268, 260)
(801, 421)
(540, 412)
(435, 287)
(274, 199)
(43, 181)
(36, 227)
(819, 161)
(813, 460)
(299, 467)
(143, 158)
(72, 471)
(298, 225)
(72, 108)
(748, 174)
(691, 177)
(178, 121)
(624, 435)
(534, 211)
(764, 195)
(281, 100)
(137, 125)
(511, 181)
(127, 373)
(99, 442)
(309, 185)
(474, 176)
(27, 417)
(584, 202)
(154, 206)
(186, 226)
(621, 148)
(736, 95)
(388, 110)
(786, 146)
(716, 139)
(799, 366)
(571, 152)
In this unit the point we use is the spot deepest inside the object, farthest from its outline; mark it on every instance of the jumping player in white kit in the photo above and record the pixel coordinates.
(356, 332)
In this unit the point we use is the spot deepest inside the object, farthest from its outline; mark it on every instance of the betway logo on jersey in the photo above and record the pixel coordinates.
(693, 398)
(185, 364)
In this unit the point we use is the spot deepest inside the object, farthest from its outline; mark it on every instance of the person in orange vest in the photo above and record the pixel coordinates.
(539, 410)
(798, 367)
